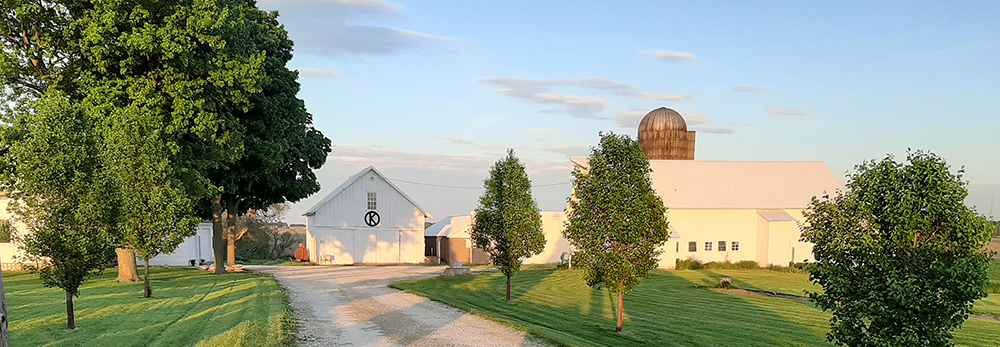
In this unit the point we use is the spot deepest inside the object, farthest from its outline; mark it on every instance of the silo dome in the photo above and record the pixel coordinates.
(663, 135)
(662, 119)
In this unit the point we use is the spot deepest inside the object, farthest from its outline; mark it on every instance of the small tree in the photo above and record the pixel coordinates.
(615, 220)
(60, 193)
(898, 254)
(507, 224)
(264, 234)
(155, 214)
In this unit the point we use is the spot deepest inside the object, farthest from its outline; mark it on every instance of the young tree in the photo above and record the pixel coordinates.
(507, 224)
(899, 255)
(615, 220)
(60, 192)
(155, 214)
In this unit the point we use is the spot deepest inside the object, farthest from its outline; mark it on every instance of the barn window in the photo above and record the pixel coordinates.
(735, 246)
(372, 201)
(692, 246)
(722, 246)
(708, 246)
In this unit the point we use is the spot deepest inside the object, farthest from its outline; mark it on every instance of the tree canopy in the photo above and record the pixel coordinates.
(61, 192)
(900, 257)
(507, 224)
(615, 220)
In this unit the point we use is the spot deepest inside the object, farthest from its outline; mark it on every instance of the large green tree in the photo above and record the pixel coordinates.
(60, 191)
(615, 220)
(138, 161)
(899, 255)
(211, 71)
(507, 224)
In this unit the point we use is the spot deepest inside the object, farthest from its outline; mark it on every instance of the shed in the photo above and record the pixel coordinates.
(450, 239)
(367, 219)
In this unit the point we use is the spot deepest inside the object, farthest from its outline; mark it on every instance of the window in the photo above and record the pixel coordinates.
(708, 246)
(722, 246)
(372, 201)
(735, 245)
(692, 246)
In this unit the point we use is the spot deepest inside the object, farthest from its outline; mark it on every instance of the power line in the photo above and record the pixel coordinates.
(466, 187)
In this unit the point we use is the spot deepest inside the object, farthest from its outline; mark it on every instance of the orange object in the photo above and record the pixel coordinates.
(302, 254)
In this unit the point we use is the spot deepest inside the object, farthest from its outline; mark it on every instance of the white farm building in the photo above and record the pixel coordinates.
(367, 219)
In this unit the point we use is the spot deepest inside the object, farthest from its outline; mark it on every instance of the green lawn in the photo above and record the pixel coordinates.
(188, 308)
(666, 308)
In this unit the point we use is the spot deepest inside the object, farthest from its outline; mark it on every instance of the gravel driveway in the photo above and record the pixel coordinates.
(352, 306)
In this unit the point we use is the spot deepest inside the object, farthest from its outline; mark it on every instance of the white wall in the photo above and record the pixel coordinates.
(555, 243)
(710, 225)
(337, 228)
(191, 248)
(374, 246)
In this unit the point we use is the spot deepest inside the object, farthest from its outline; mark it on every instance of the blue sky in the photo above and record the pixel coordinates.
(434, 92)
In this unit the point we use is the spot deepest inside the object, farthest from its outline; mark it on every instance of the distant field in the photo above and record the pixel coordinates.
(666, 308)
(188, 308)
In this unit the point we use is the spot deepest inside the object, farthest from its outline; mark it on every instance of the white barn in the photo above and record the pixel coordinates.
(450, 239)
(367, 219)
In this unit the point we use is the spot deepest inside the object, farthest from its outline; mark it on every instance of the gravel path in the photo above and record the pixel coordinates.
(352, 306)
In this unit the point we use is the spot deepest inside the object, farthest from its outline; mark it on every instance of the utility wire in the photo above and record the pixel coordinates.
(466, 187)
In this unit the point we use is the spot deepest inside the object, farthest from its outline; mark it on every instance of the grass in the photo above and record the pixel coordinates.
(668, 307)
(188, 308)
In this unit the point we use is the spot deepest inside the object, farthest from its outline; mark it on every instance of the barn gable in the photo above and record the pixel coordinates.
(346, 205)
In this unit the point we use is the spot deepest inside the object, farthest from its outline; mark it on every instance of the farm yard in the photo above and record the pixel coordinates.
(188, 308)
(672, 307)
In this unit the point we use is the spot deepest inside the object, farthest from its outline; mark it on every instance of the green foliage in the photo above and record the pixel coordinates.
(7, 230)
(60, 192)
(265, 238)
(615, 219)
(898, 254)
(507, 224)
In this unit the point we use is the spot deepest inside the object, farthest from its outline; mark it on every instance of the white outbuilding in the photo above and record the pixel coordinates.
(193, 251)
(367, 219)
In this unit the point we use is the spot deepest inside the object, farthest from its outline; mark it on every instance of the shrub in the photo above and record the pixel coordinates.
(747, 265)
(726, 283)
(688, 264)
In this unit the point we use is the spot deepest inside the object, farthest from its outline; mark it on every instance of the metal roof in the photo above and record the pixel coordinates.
(354, 178)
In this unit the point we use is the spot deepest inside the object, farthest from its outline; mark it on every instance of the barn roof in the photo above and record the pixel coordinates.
(700, 184)
(351, 181)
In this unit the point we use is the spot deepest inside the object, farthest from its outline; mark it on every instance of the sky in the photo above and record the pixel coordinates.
(435, 92)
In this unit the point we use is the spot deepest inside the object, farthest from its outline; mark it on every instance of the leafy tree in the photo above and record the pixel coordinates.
(507, 224)
(265, 234)
(60, 193)
(615, 220)
(899, 255)
(155, 213)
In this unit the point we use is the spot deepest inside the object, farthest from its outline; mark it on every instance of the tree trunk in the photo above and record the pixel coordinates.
(621, 308)
(70, 319)
(218, 242)
(127, 271)
(508, 287)
(149, 291)
(231, 211)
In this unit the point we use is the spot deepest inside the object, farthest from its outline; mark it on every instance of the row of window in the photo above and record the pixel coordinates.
(371, 201)
(733, 246)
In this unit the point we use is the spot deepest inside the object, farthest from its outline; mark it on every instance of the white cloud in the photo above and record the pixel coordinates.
(569, 150)
(577, 105)
(538, 90)
(715, 130)
(749, 89)
(672, 56)
(667, 97)
(456, 140)
(785, 111)
(695, 119)
(493, 120)
(319, 73)
(629, 119)
(329, 28)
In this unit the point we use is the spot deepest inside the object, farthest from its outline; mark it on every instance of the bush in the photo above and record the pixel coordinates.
(688, 264)
(747, 265)
(993, 288)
